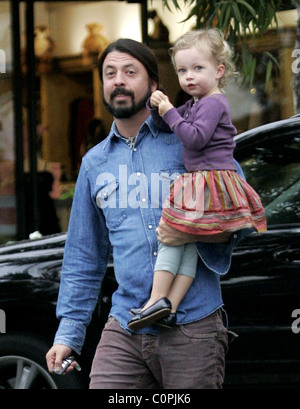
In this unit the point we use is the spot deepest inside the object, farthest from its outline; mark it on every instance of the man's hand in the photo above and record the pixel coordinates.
(56, 354)
(172, 237)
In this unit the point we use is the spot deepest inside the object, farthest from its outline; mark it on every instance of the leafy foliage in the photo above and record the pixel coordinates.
(240, 20)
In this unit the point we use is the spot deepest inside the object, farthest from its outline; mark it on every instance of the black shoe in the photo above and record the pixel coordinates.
(135, 310)
(168, 322)
(156, 311)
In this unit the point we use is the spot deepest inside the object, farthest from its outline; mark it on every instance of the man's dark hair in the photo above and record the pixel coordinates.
(137, 50)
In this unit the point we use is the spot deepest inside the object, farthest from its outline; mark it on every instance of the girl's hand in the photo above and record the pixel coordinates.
(156, 98)
(164, 106)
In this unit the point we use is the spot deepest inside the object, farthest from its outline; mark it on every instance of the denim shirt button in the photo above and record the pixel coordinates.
(150, 226)
(138, 174)
(155, 253)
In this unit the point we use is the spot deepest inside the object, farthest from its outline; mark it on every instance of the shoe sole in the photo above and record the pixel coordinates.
(164, 325)
(145, 322)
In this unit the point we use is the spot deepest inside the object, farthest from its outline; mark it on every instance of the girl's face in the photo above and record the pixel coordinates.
(197, 72)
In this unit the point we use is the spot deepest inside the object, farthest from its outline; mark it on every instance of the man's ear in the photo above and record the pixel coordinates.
(220, 71)
(154, 85)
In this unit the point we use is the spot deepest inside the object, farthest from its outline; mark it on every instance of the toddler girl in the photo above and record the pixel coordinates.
(211, 200)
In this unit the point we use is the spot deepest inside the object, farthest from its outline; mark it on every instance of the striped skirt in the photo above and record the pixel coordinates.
(211, 202)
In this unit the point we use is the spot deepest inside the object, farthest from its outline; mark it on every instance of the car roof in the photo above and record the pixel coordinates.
(270, 127)
(273, 130)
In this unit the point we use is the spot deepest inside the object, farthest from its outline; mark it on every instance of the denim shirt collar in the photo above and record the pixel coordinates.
(147, 125)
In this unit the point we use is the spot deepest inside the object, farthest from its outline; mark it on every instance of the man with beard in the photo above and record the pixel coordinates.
(118, 199)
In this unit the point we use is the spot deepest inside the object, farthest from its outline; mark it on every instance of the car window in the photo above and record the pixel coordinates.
(273, 170)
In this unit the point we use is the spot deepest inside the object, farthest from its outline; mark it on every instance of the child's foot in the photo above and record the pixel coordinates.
(156, 311)
(168, 322)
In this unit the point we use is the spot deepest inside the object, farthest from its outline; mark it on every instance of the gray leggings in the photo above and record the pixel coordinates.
(177, 260)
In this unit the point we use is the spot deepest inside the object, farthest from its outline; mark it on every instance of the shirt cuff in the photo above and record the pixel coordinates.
(71, 333)
(217, 256)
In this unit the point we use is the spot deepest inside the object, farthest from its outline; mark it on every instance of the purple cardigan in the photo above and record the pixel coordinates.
(205, 131)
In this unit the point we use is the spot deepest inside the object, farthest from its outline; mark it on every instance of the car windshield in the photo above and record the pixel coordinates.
(272, 168)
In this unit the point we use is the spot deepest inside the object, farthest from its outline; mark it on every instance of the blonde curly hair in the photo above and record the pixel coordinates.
(213, 41)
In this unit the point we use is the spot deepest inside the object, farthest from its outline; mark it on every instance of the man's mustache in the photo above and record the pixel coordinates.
(121, 91)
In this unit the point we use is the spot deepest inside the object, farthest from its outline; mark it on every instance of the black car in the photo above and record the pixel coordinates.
(29, 283)
(261, 291)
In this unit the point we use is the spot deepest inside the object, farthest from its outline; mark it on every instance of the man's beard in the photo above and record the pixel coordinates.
(122, 112)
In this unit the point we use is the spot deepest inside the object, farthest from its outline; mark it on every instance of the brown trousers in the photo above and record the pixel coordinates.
(190, 356)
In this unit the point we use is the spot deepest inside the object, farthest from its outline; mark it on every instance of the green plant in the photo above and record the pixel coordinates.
(241, 21)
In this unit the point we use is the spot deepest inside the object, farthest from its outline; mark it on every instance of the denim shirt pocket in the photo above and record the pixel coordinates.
(109, 200)
(172, 173)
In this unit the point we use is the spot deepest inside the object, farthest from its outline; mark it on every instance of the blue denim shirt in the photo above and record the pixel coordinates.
(117, 202)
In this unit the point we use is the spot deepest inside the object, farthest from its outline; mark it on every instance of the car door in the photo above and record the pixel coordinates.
(262, 289)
